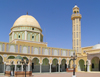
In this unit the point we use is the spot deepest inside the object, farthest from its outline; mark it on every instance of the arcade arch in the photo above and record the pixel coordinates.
(45, 65)
(82, 65)
(1, 65)
(54, 67)
(63, 65)
(95, 64)
(35, 63)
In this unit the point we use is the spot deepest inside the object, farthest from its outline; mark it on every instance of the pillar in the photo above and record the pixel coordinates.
(12, 35)
(15, 67)
(50, 68)
(25, 35)
(88, 68)
(59, 67)
(22, 67)
(40, 67)
(67, 65)
(39, 37)
(28, 67)
(4, 67)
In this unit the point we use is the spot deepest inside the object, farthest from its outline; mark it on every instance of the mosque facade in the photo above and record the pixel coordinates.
(26, 41)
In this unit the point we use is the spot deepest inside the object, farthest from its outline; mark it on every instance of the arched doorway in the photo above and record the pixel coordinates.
(70, 63)
(63, 65)
(45, 65)
(95, 64)
(55, 65)
(36, 64)
(81, 65)
(1, 65)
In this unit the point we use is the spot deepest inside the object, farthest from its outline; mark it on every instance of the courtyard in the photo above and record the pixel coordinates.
(64, 74)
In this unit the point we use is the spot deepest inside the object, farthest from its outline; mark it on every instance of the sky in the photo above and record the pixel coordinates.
(54, 17)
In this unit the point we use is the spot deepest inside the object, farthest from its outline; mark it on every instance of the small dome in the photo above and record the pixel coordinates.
(75, 6)
(97, 46)
(26, 20)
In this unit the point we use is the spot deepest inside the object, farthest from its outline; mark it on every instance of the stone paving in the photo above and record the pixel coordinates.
(64, 74)
(78, 74)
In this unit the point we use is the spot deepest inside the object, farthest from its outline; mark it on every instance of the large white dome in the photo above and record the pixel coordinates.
(26, 20)
(97, 46)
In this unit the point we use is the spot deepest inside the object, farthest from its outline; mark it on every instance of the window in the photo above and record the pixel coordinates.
(74, 42)
(32, 37)
(32, 28)
(77, 27)
(77, 20)
(74, 11)
(77, 49)
(77, 42)
(74, 27)
(77, 34)
(74, 34)
(19, 36)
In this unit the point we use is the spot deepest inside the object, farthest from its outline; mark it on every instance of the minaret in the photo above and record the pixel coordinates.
(76, 31)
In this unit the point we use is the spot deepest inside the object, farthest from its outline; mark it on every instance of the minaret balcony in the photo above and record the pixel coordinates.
(76, 16)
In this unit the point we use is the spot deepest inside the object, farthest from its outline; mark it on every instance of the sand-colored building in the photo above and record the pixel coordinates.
(26, 41)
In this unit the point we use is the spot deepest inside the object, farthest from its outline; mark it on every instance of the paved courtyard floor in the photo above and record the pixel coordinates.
(64, 74)
(78, 74)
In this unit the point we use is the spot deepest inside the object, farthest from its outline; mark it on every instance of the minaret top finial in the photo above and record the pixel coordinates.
(27, 13)
(75, 6)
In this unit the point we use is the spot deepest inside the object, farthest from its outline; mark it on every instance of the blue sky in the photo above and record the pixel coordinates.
(54, 17)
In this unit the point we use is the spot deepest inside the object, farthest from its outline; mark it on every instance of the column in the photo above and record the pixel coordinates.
(88, 68)
(28, 67)
(50, 68)
(15, 67)
(67, 65)
(4, 68)
(12, 35)
(22, 67)
(39, 37)
(59, 67)
(25, 35)
(40, 67)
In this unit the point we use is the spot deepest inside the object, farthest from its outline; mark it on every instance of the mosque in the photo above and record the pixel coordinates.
(26, 41)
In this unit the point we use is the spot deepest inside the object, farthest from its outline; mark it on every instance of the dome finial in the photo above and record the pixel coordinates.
(98, 42)
(75, 6)
(27, 13)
